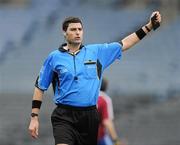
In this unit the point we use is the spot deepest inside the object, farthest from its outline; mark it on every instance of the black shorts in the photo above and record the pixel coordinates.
(75, 125)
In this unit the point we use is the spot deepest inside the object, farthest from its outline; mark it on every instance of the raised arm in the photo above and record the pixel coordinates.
(135, 37)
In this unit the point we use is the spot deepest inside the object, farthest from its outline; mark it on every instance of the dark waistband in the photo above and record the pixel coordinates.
(76, 107)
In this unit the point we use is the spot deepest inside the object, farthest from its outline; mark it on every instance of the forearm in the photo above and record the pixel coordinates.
(36, 103)
(111, 129)
(133, 38)
(38, 94)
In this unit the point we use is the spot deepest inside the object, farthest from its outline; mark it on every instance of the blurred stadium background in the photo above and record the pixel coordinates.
(144, 85)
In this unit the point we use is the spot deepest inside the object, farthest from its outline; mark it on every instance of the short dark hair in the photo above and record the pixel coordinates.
(104, 85)
(69, 20)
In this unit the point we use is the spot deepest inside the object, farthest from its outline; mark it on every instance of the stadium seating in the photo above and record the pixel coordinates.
(35, 31)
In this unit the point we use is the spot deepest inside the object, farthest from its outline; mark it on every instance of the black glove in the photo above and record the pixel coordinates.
(155, 24)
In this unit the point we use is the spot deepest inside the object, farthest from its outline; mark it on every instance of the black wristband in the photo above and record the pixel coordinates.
(34, 114)
(36, 104)
(147, 28)
(140, 33)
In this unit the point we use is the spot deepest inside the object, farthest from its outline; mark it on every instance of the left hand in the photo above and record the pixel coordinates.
(158, 18)
(117, 142)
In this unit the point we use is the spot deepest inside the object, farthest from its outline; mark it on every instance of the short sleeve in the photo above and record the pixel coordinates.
(109, 52)
(46, 74)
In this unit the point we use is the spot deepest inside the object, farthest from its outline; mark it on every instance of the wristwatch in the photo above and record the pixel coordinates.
(34, 114)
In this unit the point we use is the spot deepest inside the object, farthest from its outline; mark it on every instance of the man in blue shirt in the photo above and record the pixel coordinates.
(75, 70)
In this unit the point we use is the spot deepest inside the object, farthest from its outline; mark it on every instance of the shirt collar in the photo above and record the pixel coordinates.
(61, 48)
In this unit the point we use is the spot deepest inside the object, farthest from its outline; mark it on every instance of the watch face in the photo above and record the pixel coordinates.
(34, 114)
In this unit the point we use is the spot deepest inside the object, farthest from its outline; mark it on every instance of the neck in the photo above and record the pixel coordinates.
(73, 47)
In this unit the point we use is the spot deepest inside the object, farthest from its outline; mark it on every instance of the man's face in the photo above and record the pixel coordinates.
(74, 33)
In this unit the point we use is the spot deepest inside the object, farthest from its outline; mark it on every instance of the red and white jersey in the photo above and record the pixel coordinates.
(105, 109)
(109, 104)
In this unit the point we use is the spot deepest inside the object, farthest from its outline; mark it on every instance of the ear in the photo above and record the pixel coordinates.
(64, 33)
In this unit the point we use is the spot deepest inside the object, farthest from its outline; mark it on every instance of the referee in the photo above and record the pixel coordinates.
(76, 73)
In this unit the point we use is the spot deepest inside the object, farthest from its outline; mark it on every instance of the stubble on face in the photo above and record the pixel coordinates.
(74, 34)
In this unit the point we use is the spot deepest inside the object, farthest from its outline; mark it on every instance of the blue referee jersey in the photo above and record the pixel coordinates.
(77, 77)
